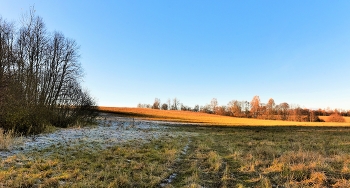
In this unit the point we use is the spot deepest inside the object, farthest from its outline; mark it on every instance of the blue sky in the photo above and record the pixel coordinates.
(134, 51)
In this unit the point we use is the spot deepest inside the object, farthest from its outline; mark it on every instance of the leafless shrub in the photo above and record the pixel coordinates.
(336, 118)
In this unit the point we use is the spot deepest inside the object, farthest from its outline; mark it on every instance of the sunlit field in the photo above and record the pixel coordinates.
(235, 152)
(208, 119)
(325, 118)
(267, 157)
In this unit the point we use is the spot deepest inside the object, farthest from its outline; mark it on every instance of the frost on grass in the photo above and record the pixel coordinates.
(8, 140)
(110, 131)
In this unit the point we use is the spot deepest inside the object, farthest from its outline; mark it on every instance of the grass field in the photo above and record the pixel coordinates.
(208, 119)
(212, 157)
(249, 155)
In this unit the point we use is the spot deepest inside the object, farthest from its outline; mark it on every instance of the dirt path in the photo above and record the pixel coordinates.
(166, 182)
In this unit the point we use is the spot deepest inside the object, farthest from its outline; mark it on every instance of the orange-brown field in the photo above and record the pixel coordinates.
(325, 118)
(208, 119)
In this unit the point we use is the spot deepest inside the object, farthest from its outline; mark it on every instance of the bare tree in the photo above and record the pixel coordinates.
(176, 104)
(185, 108)
(156, 104)
(235, 108)
(221, 110)
(7, 57)
(213, 105)
(206, 109)
(169, 104)
(283, 110)
(39, 78)
(295, 113)
(196, 108)
(255, 106)
(270, 109)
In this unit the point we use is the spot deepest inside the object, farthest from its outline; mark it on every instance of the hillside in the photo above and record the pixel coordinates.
(207, 119)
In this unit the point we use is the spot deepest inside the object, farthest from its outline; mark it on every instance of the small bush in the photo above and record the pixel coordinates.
(336, 118)
(316, 119)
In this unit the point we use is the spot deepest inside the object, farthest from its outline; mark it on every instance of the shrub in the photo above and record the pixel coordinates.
(336, 118)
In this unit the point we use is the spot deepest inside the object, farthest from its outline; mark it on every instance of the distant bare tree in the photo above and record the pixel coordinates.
(255, 106)
(347, 113)
(235, 108)
(156, 104)
(176, 104)
(213, 105)
(284, 110)
(205, 109)
(185, 108)
(270, 109)
(169, 104)
(295, 113)
(144, 105)
(221, 110)
(246, 108)
(196, 108)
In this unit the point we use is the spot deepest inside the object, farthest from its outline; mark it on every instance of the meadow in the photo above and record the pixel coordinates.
(193, 156)
(210, 119)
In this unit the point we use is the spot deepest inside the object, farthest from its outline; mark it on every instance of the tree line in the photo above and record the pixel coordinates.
(40, 77)
(253, 109)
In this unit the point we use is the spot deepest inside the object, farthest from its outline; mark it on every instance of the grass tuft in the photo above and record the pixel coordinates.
(7, 139)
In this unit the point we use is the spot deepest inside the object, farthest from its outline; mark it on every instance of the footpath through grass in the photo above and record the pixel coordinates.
(210, 157)
(267, 157)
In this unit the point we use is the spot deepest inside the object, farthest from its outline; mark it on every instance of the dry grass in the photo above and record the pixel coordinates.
(129, 165)
(237, 156)
(259, 156)
(208, 119)
(267, 157)
(6, 139)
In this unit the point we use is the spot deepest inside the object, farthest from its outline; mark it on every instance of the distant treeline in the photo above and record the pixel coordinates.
(253, 109)
(40, 78)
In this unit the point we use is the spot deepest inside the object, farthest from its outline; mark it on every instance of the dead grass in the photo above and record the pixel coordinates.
(267, 157)
(6, 139)
(208, 119)
(241, 156)
(129, 165)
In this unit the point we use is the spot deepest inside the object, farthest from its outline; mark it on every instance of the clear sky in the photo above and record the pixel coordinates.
(293, 51)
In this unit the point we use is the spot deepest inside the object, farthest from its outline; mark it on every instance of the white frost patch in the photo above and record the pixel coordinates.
(112, 130)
